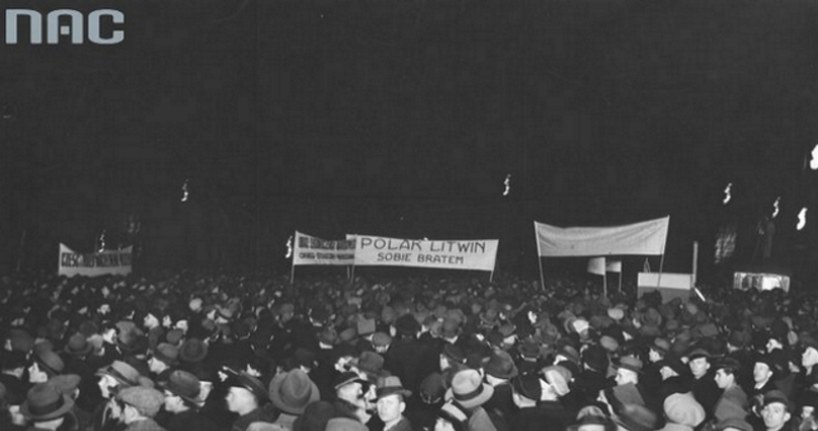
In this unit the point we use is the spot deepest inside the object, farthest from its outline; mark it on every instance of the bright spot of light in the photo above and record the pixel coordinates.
(185, 191)
(727, 195)
(101, 242)
(802, 219)
(507, 184)
(775, 206)
(813, 163)
(289, 248)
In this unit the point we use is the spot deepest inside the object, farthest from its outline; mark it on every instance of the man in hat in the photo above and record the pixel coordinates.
(391, 403)
(46, 408)
(350, 393)
(139, 406)
(592, 377)
(246, 397)
(409, 358)
(468, 393)
(499, 371)
(704, 385)
(776, 413)
(536, 413)
(764, 370)
(113, 378)
(290, 393)
(733, 400)
(161, 363)
(183, 403)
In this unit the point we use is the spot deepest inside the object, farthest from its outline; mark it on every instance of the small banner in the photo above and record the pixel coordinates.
(601, 265)
(477, 255)
(108, 262)
(645, 238)
(310, 250)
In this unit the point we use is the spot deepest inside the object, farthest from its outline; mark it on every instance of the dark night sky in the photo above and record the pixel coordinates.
(603, 112)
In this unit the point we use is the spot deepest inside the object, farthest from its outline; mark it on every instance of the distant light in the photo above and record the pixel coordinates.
(813, 163)
(101, 242)
(802, 219)
(507, 184)
(289, 248)
(775, 206)
(185, 191)
(727, 195)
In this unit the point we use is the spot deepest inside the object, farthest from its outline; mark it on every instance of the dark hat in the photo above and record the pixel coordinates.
(315, 416)
(50, 361)
(174, 336)
(244, 380)
(328, 336)
(596, 357)
(432, 388)
(166, 353)
(66, 383)
(193, 350)
(734, 423)
(775, 360)
(674, 364)
(370, 363)
(45, 402)
(501, 365)
(366, 327)
(381, 339)
(344, 424)
(407, 325)
(21, 340)
(728, 363)
(634, 417)
(147, 401)
(739, 339)
(570, 353)
(184, 384)
(527, 385)
(468, 389)
(698, 353)
(391, 385)
(661, 345)
(78, 345)
(305, 357)
(346, 378)
(292, 391)
(776, 396)
(630, 363)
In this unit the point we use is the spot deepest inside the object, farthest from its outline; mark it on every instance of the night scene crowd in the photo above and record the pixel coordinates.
(196, 352)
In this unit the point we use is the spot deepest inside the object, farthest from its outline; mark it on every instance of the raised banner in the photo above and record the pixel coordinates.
(645, 238)
(108, 262)
(477, 255)
(310, 250)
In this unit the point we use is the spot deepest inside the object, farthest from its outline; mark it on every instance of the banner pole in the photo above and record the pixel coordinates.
(605, 280)
(539, 258)
(620, 280)
(292, 273)
(695, 260)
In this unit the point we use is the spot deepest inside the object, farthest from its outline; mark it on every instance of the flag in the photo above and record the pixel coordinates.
(600, 265)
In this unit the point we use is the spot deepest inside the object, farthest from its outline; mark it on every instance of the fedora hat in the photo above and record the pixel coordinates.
(78, 345)
(390, 385)
(370, 363)
(66, 383)
(45, 402)
(293, 391)
(241, 379)
(193, 350)
(635, 417)
(49, 361)
(501, 365)
(167, 353)
(630, 363)
(468, 389)
(346, 378)
(122, 372)
(184, 384)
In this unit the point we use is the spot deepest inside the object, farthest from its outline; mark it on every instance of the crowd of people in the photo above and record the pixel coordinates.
(187, 351)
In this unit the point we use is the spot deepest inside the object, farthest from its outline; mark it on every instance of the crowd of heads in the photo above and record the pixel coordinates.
(230, 352)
